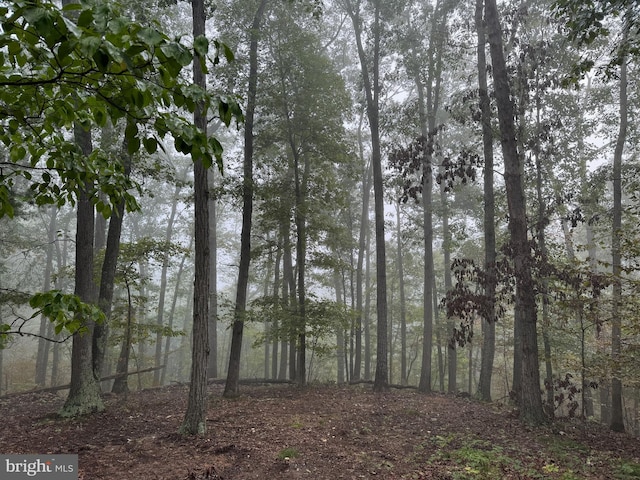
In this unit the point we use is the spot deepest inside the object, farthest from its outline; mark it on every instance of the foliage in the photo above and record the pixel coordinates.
(87, 65)
(589, 21)
(322, 318)
(566, 394)
(65, 310)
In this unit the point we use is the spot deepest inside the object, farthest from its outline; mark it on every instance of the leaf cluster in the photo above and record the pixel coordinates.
(66, 311)
(86, 65)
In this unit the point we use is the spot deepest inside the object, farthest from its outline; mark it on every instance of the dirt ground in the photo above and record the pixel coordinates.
(320, 432)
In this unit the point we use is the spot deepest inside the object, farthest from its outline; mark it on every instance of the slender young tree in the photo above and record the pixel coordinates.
(370, 68)
(163, 282)
(233, 372)
(42, 356)
(108, 274)
(617, 418)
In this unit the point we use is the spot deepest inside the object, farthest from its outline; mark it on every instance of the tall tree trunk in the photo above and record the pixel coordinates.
(42, 356)
(233, 373)
(362, 237)
(163, 284)
(121, 384)
(452, 355)
(212, 367)
(542, 222)
(438, 334)
(195, 417)
(84, 393)
(531, 409)
(489, 330)
(366, 324)
(340, 353)
(370, 77)
(403, 306)
(108, 276)
(172, 312)
(617, 420)
(276, 292)
(287, 357)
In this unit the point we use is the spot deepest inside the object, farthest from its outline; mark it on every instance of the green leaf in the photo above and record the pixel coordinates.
(150, 145)
(133, 145)
(100, 117)
(102, 60)
(201, 45)
(228, 53)
(85, 19)
(150, 36)
(66, 48)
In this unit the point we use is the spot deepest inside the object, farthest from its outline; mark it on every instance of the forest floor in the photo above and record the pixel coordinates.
(319, 432)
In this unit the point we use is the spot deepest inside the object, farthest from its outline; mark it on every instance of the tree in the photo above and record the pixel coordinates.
(586, 24)
(530, 400)
(233, 372)
(489, 332)
(195, 417)
(61, 73)
(617, 420)
(371, 83)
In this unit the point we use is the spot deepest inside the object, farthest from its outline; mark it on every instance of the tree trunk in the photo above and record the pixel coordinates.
(276, 292)
(531, 409)
(340, 353)
(42, 356)
(121, 384)
(403, 306)
(362, 237)
(233, 373)
(542, 222)
(212, 367)
(452, 355)
(489, 330)
(370, 77)
(366, 325)
(163, 283)
(84, 393)
(108, 276)
(617, 420)
(438, 335)
(172, 311)
(195, 418)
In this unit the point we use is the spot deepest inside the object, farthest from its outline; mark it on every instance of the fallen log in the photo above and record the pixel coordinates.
(68, 385)
(251, 381)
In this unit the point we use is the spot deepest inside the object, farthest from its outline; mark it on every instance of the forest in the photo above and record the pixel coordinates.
(427, 197)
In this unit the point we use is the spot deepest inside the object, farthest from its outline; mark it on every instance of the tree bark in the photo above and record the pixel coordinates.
(489, 331)
(617, 419)
(42, 356)
(84, 393)
(233, 372)
(172, 311)
(108, 276)
(195, 418)
(403, 306)
(531, 409)
(362, 237)
(163, 282)
(212, 367)
(370, 77)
